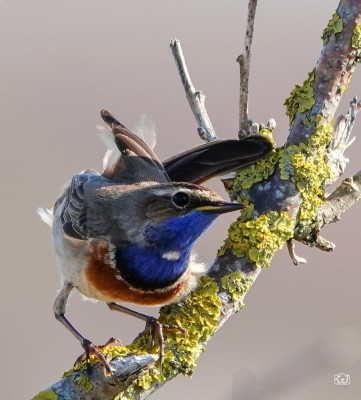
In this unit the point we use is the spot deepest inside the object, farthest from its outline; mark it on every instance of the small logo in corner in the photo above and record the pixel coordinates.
(342, 379)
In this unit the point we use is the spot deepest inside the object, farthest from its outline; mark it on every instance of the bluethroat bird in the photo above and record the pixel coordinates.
(126, 235)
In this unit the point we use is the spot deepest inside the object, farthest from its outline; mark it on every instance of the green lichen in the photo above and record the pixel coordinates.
(356, 37)
(259, 238)
(257, 172)
(109, 351)
(301, 98)
(115, 351)
(79, 367)
(237, 285)
(285, 164)
(335, 25)
(198, 315)
(356, 41)
(306, 166)
(46, 395)
(269, 135)
(83, 382)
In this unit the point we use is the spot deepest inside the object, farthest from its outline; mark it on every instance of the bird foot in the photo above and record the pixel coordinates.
(154, 328)
(91, 349)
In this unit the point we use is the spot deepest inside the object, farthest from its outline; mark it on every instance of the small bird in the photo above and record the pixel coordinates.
(126, 235)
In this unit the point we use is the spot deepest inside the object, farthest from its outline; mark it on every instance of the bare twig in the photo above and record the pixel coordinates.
(195, 98)
(341, 199)
(244, 61)
(295, 258)
(341, 141)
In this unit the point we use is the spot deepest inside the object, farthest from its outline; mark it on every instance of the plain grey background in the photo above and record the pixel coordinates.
(60, 63)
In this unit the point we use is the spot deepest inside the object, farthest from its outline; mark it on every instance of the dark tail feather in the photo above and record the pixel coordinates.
(216, 158)
(145, 167)
(125, 139)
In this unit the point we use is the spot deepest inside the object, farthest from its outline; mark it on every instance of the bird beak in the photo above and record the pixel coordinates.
(222, 208)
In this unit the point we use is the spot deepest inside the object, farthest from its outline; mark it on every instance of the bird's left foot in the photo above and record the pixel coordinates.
(155, 328)
(90, 348)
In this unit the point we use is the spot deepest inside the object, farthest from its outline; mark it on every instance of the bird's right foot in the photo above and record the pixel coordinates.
(154, 328)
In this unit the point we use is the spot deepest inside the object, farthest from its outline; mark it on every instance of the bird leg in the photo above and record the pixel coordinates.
(59, 311)
(152, 327)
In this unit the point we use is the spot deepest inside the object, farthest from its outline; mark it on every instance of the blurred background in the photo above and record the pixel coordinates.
(60, 63)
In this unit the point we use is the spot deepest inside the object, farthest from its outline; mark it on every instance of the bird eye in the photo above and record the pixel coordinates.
(180, 199)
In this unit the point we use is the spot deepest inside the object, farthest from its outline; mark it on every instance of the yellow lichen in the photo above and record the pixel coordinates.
(198, 315)
(356, 37)
(260, 238)
(237, 285)
(335, 25)
(46, 395)
(268, 134)
(254, 173)
(301, 98)
(356, 41)
(83, 382)
(306, 166)
(109, 351)
(79, 367)
(115, 351)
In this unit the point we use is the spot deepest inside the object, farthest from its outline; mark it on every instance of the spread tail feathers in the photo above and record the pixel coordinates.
(129, 159)
(46, 215)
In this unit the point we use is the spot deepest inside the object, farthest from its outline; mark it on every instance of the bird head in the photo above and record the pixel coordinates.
(176, 214)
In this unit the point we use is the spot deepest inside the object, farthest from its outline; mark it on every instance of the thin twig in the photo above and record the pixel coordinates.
(244, 61)
(291, 251)
(341, 141)
(195, 98)
(341, 199)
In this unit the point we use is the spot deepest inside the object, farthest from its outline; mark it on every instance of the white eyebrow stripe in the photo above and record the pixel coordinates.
(171, 255)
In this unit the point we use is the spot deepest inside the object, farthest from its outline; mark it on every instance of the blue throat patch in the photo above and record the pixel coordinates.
(165, 256)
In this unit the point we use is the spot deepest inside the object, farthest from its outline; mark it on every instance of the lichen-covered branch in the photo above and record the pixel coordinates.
(321, 93)
(195, 98)
(286, 198)
(80, 384)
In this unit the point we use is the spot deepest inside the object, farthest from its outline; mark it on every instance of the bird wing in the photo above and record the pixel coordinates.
(135, 161)
(216, 158)
(74, 216)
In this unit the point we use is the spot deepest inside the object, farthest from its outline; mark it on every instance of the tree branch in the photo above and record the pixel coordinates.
(333, 71)
(341, 141)
(81, 384)
(195, 98)
(244, 61)
(341, 199)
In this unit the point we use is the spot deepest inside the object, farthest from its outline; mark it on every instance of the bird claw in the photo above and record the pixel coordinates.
(91, 349)
(154, 328)
(112, 341)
